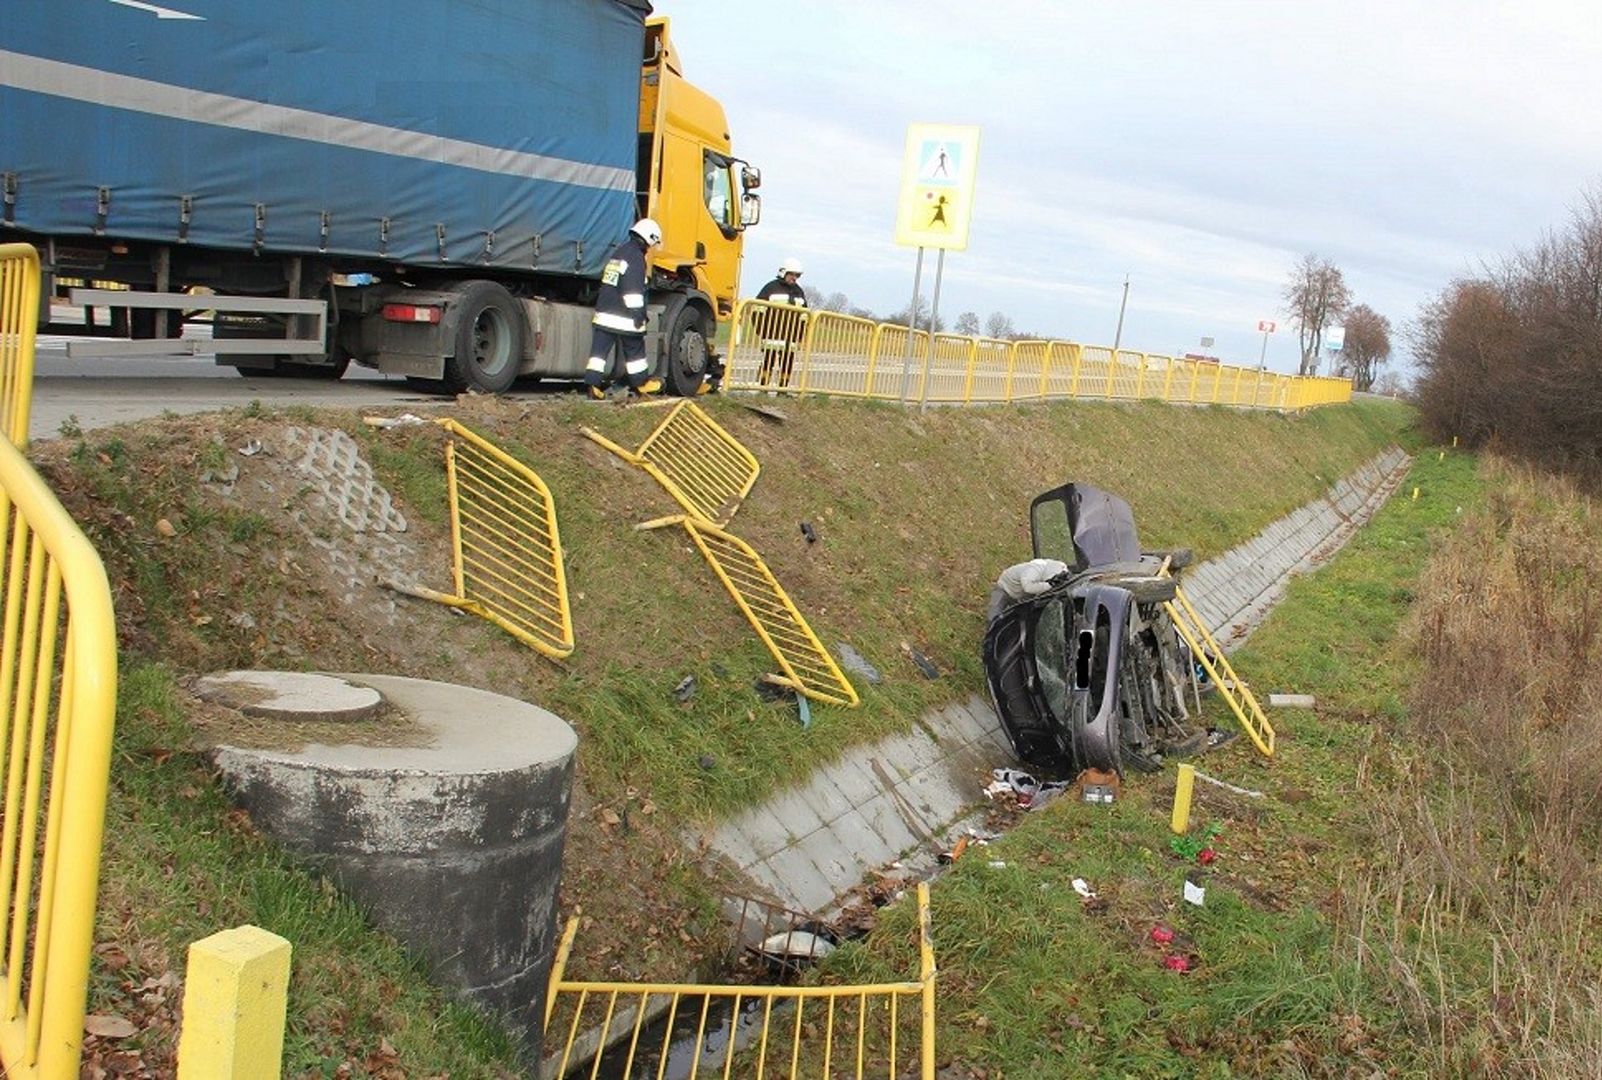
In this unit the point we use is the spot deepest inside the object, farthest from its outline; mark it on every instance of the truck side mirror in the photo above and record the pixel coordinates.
(750, 209)
(750, 178)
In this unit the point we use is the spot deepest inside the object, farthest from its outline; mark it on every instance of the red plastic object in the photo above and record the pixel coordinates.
(1177, 962)
(1206, 856)
(1162, 935)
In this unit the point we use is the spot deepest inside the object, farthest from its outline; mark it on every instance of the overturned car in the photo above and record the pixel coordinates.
(1082, 658)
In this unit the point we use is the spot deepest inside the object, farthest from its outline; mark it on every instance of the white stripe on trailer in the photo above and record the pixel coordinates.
(97, 87)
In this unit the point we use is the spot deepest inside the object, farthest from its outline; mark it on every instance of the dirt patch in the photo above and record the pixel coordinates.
(218, 725)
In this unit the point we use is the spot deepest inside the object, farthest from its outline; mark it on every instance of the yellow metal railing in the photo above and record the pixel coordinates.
(19, 318)
(843, 355)
(1242, 702)
(706, 470)
(58, 685)
(806, 666)
(506, 550)
(747, 1031)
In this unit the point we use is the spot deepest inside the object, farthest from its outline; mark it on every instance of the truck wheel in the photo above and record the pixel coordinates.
(489, 339)
(686, 353)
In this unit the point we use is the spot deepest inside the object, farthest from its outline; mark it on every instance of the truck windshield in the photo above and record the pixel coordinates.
(719, 189)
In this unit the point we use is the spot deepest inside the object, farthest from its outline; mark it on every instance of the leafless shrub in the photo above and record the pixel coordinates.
(1480, 899)
(1513, 358)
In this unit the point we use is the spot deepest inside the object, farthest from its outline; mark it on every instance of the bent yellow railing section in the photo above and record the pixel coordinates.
(706, 470)
(748, 1031)
(1207, 651)
(806, 665)
(58, 687)
(506, 549)
(829, 353)
(19, 318)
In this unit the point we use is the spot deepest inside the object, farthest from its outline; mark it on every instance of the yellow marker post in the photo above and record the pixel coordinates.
(1441, 456)
(235, 995)
(1415, 494)
(1454, 442)
(1184, 784)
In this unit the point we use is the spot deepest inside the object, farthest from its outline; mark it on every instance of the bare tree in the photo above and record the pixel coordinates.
(1315, 297)
(999, 325)
(814, 297)
(836, 301)
(1390, 384)
(1367, 345)
(862, 313)
(903, 317)
(967, 323)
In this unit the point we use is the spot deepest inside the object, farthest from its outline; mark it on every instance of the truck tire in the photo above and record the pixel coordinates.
(489, 339)
(685, 361)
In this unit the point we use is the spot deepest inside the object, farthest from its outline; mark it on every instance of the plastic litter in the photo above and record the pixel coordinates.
(1291, 701)
(997, 864)
(1177, 962)
(251, 448)
(855, 663)
(685, 690)
(1082, 887)
(921, 662)
(1031, 793)
(1162, 935)
(1194, 893)
(809, 532)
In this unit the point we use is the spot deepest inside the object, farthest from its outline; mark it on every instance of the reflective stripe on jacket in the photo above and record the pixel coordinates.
(620, 307)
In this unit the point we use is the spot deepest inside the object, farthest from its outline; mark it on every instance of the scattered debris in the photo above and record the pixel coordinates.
(251, 448)
(707, 762)
(769, 691)
(804, 708)
(857, 664)
(1177, 962)
(1161, 934)
(922, 662)
(1291, 701)
(1031, 793)
(1194, 893)
(790, 950)
(946, 858)
(164, 527)
(223, 478)
(403, 420)
(997, 864)
(1248, 792)
(767, 412)
(809, 532)
(1190, 848)
(1082, 887)
(683, 692)
(1097, 786)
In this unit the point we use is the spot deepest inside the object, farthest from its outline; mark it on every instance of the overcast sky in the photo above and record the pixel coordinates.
(1201, 148)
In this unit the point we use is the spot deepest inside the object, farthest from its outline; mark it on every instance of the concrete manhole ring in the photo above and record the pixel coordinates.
(290, 695)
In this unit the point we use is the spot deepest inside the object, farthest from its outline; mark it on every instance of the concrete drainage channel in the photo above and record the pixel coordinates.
(897, 799)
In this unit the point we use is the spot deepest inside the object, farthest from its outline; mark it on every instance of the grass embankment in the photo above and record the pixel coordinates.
(1416, 893)
(914, 518)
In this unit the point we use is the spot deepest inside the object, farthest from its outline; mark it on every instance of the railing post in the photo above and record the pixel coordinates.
(1112, 371)
(1079, 358)
(1140, 378)
(1045, 369)
(234, 1000)
(973, 362)
(1168, 380)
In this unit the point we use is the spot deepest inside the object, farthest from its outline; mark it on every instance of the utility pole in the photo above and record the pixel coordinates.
(1118, 337)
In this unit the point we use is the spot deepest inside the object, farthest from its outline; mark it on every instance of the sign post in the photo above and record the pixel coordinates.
(1267, 326)
(936, 203)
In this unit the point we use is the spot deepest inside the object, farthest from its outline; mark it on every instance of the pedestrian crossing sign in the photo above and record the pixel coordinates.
(937, 179)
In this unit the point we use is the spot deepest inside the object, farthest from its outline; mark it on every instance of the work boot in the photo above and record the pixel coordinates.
(597, 394)
(706, 387)
(649, 387)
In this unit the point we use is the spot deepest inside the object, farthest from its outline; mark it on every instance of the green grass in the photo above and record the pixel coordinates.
(915, 515)
(1033, 983)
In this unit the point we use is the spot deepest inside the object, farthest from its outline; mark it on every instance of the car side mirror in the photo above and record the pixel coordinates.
(750, 209)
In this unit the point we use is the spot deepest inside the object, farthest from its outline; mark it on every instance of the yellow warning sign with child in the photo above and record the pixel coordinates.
(937, 179)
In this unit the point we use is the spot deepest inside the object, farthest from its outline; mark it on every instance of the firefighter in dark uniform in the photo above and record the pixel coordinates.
(619, 321)
(781, 328)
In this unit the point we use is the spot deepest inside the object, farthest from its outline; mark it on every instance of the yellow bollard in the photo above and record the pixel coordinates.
(1415, 494)
(234, 1000)
(1183, 785)
(1441, 456)
(1454, 442)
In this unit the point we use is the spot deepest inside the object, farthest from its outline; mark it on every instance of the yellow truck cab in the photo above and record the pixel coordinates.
(703, 197)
